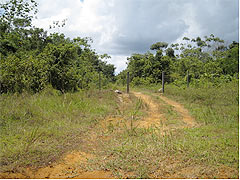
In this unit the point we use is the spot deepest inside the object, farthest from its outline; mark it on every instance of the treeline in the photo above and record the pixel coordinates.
(207, 60)
(30, 59)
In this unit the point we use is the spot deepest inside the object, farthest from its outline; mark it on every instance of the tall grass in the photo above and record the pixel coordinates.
(37, 129)
(217, 110)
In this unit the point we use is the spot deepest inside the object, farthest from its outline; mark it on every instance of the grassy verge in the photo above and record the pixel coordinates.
(217, 108)
(38, 129)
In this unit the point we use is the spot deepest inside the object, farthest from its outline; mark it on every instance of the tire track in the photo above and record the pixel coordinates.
(155, 117)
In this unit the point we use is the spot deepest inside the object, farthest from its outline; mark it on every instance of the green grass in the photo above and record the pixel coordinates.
(38, 129)
(217, 109)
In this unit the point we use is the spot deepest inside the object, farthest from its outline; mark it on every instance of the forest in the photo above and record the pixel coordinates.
(65, 113)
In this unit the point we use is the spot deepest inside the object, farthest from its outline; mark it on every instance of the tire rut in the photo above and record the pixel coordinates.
(155, 117)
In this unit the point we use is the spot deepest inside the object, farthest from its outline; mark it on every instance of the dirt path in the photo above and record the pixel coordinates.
(70, 165)
(155, 117)
(67, 168)
(189, 120)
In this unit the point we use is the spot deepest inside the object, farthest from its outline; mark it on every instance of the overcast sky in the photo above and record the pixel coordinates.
(122, 27)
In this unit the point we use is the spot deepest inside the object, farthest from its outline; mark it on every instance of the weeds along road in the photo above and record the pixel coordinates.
(164, 114)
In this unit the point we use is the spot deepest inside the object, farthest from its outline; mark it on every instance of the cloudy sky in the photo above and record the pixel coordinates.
(122, 27)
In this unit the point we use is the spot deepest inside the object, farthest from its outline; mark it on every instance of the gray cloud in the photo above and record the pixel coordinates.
(219, 17)
(142, 23)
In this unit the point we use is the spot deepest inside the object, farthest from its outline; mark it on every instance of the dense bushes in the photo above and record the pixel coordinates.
(24, 72)
(65, 66)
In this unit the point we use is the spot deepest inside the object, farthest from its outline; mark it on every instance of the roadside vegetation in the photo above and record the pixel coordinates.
(216, 109)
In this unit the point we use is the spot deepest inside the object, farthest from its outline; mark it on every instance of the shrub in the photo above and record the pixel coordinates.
(23, 73)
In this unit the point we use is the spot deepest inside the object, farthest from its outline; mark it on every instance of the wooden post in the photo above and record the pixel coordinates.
(0, 75)
(163, 81)
(127, 82)
(99, 81)
(0, 78)
(187, 78)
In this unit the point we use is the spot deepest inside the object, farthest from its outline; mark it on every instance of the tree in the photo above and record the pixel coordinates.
(207, 57)
(161, 63)
(230, 62)
(135, 65)
(159, 45)
(170, 52)
(17, 14)
(15, 18)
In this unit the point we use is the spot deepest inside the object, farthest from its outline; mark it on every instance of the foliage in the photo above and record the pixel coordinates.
(204, 58)
(24, 73)
(30, 59)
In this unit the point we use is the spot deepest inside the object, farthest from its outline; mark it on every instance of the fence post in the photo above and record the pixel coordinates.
(163, 81)
(127, 82)
(0, 76)
(99, 81)
(187, 78)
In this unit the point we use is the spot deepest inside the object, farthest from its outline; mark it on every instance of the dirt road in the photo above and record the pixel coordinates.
(154, 115)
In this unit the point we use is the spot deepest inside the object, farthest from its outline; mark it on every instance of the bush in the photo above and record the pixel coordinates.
(23, 73)
(137, 81)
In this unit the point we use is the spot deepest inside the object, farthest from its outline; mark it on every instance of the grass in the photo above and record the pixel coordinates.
(37, 129)
(217, 109)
